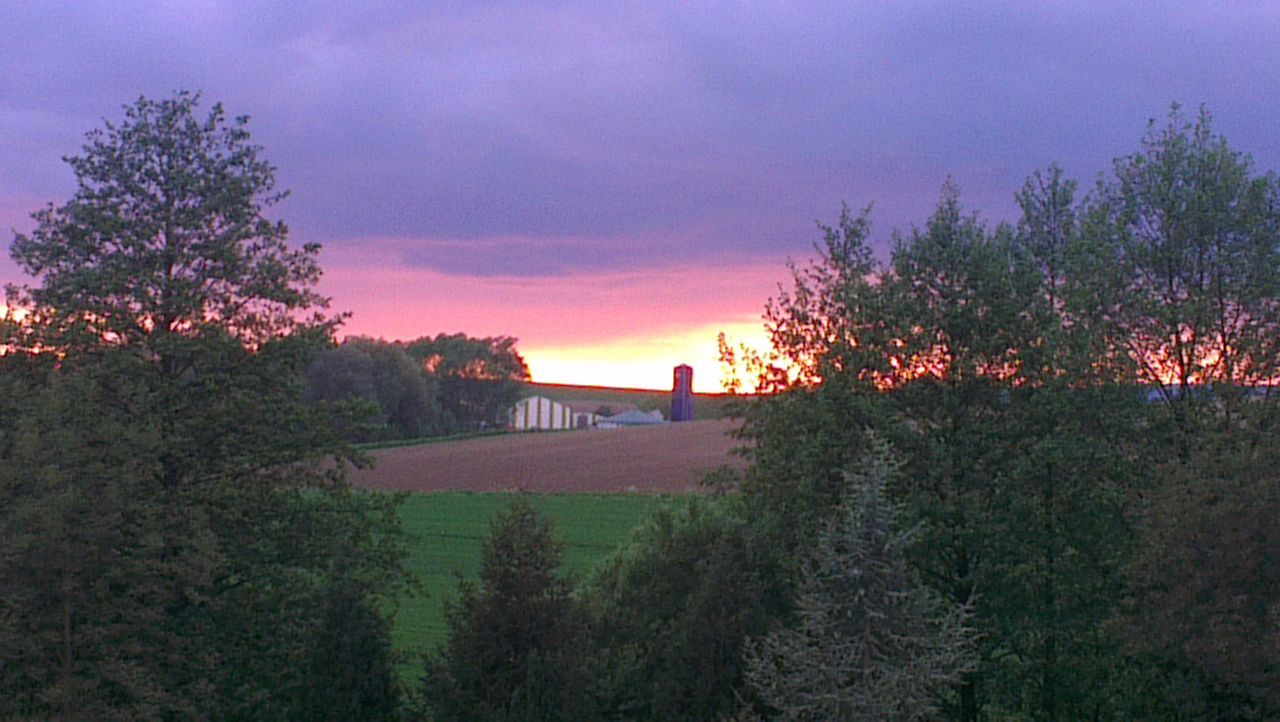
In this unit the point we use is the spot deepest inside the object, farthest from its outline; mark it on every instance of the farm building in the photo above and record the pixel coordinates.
(682, 393)
(539, 413)
(631, 418)
(587, 413)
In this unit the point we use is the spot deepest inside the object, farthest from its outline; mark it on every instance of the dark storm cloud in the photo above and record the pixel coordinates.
(538, 138)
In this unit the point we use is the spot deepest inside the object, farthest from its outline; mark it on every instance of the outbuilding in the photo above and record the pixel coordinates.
(631, 418)
(539, 413)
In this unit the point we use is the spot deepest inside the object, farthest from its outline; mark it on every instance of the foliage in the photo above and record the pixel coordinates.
(870, 642)
(165, 240)
(402, 398)
(1182, 265)
(674, 609)
(349, 673)
(514, 640)
(960, 352)
(75, 643)
(1209, 570)
(450, 384)
(195, 523)
(479, 379)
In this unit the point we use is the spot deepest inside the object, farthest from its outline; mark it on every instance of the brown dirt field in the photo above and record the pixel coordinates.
(650, 460)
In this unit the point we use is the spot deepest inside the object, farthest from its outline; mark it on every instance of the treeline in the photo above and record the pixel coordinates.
(1029, 472)
(433, 386)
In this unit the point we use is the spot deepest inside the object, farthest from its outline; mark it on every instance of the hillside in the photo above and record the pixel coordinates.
(670, 458)
(705, 406)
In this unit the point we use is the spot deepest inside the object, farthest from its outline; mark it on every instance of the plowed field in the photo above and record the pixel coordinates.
(670, 458)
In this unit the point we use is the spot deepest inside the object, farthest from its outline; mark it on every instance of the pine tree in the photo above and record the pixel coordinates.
(870, 642)
(512, 652)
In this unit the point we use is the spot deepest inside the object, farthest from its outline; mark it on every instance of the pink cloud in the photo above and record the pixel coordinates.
(395, 301)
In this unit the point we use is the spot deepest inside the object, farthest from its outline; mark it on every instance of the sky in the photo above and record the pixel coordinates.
(615, 183)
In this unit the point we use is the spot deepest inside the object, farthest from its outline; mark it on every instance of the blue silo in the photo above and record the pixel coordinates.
(682, 394)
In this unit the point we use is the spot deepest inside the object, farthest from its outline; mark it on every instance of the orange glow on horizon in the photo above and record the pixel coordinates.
(622, 329)
(642, 362)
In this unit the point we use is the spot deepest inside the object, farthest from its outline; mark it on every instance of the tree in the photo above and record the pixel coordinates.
(165, 240)
(1206, 578)
(479, 379)
(870, 641)
(1017, 468)
(189, 499)
(350, 672)
(515, 639)
(1182, 246)
(402, 398)
(83, 576)
(673, 611)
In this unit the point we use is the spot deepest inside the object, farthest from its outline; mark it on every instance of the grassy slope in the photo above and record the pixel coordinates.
(450, 529)
(705, 406)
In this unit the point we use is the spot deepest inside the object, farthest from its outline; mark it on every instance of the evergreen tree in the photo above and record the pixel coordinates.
(514, 648)
(870, 641)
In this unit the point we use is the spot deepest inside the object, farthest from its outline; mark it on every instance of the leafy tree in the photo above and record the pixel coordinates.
(198, 523)
(83, 576)
(960, 352)
(478, 379)
(870, 641)
(1183, 262)
(381, 374)
(674, 609)
(1208, 573)
(350, 672)
(515, 639)
(165, 241)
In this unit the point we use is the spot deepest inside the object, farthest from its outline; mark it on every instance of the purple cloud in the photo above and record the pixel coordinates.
(581, 136)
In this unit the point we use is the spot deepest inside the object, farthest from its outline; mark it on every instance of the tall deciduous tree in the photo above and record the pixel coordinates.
(165, 239)
(959, 352)
(402, 398)
(1183, 250)
(180, 320)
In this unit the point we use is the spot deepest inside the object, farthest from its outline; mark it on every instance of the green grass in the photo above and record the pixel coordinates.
(450, 528)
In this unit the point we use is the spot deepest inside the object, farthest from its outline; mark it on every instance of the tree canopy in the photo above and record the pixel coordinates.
(175, 525)
(1056, 388)
(165, 238)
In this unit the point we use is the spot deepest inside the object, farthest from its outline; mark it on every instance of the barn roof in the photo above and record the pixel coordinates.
(634, 418)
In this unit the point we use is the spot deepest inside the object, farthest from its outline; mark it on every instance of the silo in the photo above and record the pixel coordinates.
(682, 394)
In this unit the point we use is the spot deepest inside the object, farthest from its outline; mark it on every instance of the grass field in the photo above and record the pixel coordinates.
(450, 529)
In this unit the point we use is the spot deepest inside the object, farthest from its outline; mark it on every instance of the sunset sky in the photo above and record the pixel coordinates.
(613, 183)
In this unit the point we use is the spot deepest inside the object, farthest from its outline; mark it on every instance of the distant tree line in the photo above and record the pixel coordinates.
(1029, 472)
(432, 386)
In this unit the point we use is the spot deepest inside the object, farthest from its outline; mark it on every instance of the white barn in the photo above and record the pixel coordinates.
(539, 413)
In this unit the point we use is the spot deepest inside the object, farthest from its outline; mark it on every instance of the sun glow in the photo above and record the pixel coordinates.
(16, 314)
(642, 362)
